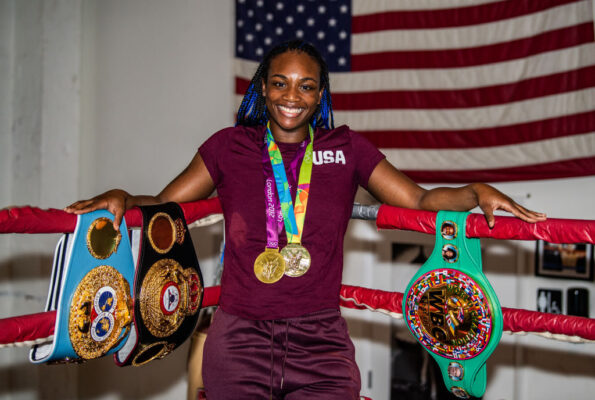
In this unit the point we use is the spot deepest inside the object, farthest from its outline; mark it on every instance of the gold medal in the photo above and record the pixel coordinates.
(269, 266)
(297, 259)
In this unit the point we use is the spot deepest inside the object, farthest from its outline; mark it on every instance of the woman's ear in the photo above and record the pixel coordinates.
(264, 86)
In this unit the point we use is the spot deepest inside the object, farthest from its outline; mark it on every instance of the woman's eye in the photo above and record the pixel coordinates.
(306, 87)
(278, 84)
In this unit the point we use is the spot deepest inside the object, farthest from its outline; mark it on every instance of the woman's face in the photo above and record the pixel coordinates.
(292, 92)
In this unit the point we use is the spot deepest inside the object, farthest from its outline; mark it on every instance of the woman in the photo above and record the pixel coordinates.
(278, 332)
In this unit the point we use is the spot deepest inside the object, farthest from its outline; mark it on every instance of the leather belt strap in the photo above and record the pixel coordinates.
(168, 287)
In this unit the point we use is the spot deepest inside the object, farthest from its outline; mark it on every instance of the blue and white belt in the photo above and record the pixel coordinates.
(90, 290)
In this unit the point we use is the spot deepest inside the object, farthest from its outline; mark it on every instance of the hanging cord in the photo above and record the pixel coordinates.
(286, 350)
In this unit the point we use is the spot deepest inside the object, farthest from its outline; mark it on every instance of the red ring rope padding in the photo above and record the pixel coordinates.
(508, 228)
(35, 220)
(30, 327)
(34, 326)
(515, 320)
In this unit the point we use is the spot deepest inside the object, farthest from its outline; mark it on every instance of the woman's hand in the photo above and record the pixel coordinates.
(114, 201)
(194, 183)
(490, 199)
(392, 187)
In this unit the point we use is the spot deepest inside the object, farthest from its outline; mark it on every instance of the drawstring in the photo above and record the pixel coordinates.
(285, 355)
(273, 356)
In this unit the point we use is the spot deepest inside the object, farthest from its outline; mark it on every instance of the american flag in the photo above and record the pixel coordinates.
(450, 90)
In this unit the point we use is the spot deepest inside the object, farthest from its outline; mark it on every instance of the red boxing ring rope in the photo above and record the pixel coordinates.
(35, 220)
(26, 330)
(552, 230)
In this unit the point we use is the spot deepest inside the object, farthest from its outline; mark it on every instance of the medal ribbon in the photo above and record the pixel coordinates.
(274, 217)
(293, 217)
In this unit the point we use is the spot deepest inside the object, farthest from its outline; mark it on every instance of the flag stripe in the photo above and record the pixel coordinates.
(505, 135)
(495, 157)
(466, 98)
(566, 59)
(454, 17)
(475, 35)
(467, 118)
(552, 170)
(471, 118)
(364, 7)
(456, 58)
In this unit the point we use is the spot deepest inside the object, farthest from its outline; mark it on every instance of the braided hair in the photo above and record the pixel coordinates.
(253, 109)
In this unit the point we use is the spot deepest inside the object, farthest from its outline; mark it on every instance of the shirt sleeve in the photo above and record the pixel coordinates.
(212, 151)
(367, 156)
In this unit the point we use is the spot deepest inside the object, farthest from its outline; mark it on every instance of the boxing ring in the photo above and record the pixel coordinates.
(27, 330)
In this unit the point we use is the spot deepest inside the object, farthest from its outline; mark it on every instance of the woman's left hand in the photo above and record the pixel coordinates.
(392, 187)
(490, 199)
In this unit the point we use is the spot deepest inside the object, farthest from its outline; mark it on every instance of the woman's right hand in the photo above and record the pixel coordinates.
(194, 183)
(114, 201)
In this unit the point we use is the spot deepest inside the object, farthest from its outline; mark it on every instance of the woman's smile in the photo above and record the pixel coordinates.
(290, 112)
(292, 94)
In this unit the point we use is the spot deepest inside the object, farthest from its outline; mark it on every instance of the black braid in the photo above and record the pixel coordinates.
(253, 110)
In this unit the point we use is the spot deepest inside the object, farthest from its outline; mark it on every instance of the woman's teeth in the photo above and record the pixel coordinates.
(289, 111)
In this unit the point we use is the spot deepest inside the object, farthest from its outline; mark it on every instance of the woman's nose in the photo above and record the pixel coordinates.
(292, 93)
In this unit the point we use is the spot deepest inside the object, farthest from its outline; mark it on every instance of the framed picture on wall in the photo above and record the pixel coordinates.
(566, 261)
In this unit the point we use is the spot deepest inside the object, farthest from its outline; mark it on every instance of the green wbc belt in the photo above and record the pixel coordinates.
(452, 310)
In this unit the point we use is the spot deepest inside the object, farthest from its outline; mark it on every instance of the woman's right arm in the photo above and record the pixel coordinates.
(193, 183)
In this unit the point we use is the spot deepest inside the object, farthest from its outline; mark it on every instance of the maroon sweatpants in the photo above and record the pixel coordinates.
(310, 357)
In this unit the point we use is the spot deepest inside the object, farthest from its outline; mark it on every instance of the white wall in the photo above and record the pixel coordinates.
(161, 86)
(96, 94)
(39, 122)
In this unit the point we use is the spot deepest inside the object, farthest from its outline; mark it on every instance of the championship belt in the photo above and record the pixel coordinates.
(90, 290)
(452, 310)
(168, 286)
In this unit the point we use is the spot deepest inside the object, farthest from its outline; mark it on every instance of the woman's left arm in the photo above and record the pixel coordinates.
(392, 187)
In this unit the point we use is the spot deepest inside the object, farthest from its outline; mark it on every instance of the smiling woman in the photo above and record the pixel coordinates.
(292, 91)
(278, 332)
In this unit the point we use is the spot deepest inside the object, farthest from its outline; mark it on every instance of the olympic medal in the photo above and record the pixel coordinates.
(297, 259)
(269, 266)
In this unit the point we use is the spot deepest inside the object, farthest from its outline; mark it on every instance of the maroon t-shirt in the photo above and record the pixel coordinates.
(343, 160)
